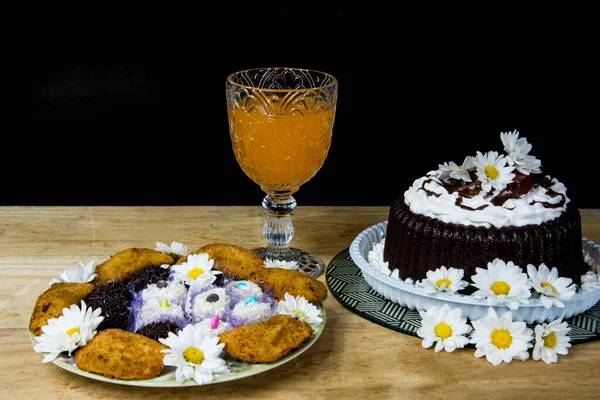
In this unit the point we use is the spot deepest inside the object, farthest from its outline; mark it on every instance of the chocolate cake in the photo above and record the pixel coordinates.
(416, 244)
(493, 206)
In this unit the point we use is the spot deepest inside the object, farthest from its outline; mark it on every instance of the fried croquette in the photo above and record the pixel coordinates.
(50, 304)
(233, 261)
(267, 341)
(123, 265)
(123, 355)
(296, 283)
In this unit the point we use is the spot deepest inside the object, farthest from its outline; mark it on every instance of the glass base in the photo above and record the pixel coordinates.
(307, 263)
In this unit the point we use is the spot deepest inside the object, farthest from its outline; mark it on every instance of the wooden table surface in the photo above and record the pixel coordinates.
(353, 358)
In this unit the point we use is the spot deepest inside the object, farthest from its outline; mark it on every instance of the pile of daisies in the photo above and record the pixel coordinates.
(495, 171)
(194, 351)
(498, 338)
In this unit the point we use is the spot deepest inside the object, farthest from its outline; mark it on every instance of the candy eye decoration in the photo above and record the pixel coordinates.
(161, 284)
(241, 285)
(250, 300)
(212, 298)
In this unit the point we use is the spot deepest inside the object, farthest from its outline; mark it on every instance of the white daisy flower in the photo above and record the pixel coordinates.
(550, 340)
(528, 165)
(444, 326)
(298, 307)
(274, 263)
(590, 279)
(195, 352)
(458, 172)
(77, 274)
(551, 288)
(197, 269)
(518, 153)
(73, 329)
(175, 250)
(492, 171)
(444, 280)
(502, 283)
(501, 339)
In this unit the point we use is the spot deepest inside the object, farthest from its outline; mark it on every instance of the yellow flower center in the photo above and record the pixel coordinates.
(546, 284)
(193, 355)
(443, 281)
(71, 331)
(298, 313)
(164, 303)
(501, 338)
(500, 287)
(492, 172)
(195, 272)
(550, 340)
(443, 330)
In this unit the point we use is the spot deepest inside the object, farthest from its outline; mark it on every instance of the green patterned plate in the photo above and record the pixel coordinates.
(238, 369)
(345, 281)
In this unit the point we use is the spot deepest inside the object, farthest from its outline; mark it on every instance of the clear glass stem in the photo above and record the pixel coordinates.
(279, 231)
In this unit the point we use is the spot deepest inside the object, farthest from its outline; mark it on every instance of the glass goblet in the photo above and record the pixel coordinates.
(280, 123)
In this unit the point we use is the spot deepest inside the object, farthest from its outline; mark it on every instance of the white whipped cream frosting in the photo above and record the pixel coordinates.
(174, 292)
(155, 308)
(254, 312)
(203, 307)
(514, 212)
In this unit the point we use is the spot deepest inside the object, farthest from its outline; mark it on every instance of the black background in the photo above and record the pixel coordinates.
(128, 108)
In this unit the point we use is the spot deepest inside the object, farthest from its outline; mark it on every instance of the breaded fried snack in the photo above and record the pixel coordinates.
(123, 355)
(296, 283)
(233, 261)
(50, 304)
(123, 265)
(267, 341)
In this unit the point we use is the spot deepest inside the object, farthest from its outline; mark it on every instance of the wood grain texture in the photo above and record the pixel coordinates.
(353, 358)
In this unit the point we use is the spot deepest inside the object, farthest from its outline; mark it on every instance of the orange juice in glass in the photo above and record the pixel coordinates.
(281, 122)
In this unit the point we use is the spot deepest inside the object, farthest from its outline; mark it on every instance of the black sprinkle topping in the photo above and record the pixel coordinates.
(113, 299)
(147, 276)
(158, 330)
(212, 298)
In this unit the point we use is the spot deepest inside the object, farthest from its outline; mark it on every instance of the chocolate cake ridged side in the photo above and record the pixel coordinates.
(399, 254)
(416, 244)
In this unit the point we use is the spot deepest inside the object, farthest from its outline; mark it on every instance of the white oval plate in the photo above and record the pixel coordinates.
(415, 298)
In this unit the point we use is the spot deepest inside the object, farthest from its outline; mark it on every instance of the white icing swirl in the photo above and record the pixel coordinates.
(514, 212)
